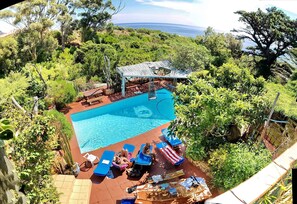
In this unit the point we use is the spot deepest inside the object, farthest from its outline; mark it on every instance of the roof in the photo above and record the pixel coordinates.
(151, 70)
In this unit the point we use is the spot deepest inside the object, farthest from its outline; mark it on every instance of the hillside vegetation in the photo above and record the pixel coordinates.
(220, 108)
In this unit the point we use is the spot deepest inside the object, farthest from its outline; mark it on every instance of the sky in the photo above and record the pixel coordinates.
(218, 14)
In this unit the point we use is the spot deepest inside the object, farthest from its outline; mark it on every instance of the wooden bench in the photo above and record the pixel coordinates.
(94, 100)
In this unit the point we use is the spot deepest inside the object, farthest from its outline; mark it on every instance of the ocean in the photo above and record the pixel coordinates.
(183, 30)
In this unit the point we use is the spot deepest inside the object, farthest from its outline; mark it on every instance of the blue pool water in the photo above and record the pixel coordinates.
(121, 120)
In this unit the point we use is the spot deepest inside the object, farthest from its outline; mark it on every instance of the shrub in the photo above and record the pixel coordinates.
(135, 44)
(64, 125)
(60, 93)
(232, 164)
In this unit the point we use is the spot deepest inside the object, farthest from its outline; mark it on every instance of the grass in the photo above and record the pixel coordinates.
(286, 103)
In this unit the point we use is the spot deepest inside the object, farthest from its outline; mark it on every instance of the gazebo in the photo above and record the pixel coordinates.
(151, 70)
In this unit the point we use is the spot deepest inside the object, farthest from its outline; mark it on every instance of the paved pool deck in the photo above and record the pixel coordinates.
(105, 190)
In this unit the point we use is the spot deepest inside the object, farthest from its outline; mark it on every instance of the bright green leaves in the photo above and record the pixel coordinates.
(193, 57)
(232, 164)
(6, 130)
(32, 151)
(219, 103)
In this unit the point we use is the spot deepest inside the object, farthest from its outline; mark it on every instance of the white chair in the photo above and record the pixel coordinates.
(90, 158)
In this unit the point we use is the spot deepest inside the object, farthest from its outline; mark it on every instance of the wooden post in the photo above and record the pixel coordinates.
(123, 86)
(266, 124)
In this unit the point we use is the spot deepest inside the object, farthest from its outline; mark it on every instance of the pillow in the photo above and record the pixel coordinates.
(105, 161)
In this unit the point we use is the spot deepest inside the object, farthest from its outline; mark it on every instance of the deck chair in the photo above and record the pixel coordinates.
(130, 148)
(143, 159)
(171, 138)
(104, 163)
(170, 154)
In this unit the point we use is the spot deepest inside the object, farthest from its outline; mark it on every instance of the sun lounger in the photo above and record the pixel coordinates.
(130, 148)
(104, 163)
(170, 154)
(171, 138)
(94, 100)
(143, 159)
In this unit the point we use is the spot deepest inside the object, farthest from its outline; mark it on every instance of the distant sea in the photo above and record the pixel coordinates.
(183, 30)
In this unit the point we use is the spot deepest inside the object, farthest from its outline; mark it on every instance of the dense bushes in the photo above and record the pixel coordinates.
(60, 93)
(32, 152)
(63, 123)
(232, 164)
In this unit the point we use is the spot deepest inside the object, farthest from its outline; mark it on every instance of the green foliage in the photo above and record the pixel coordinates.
(60, 93)
(193, 57)
(6, 129)
(92, 55)
(273, 32)
(232, 164)
(15, 85)
(35, 18)
(57, 117)
(94, 15)
(9, 60)
(286, 103)
(33, 157)
(221, 46)
(208, 107)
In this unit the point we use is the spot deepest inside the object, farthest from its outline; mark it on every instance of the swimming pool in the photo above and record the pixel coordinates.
(118, 121)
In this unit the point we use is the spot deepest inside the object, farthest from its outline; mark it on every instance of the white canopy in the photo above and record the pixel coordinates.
(160, 69)
(149, 70)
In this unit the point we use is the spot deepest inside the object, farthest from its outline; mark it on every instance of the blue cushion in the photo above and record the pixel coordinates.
(144, 159)
(129, 147)
(104, 163)
(171, 138)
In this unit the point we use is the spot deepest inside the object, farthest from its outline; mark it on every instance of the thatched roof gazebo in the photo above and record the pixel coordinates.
(151, 70)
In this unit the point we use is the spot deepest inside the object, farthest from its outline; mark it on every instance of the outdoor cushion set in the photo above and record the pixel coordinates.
(107, 158)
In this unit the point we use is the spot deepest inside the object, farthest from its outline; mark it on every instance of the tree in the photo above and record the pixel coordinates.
(60, 93)
(194, 57)
(66, 8)
(9, 60)
(273, 33)
(94, 59)
(34, 19)
(221, 46)
(94, 15)
(218, 106)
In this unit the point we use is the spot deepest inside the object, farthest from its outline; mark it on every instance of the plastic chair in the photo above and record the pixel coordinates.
(90, 158)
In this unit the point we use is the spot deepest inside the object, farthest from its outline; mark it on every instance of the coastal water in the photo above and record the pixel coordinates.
(183, 30)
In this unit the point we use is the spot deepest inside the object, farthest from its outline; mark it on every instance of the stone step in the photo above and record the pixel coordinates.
(73, 190)
(81, 191)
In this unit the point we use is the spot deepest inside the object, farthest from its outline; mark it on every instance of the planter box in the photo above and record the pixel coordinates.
(108, 91)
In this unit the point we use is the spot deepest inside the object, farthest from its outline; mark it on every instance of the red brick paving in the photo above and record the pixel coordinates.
(105, 190)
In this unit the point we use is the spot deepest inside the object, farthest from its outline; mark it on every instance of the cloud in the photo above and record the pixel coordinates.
(216, 13)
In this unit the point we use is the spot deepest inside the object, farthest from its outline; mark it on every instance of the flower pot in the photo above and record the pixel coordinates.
(108, 91)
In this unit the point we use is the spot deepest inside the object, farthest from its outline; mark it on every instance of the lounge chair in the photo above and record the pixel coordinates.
(94, 100)
(170, 154)
(130, 148)
(171, 138)
(104, 163)
(143, 159)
